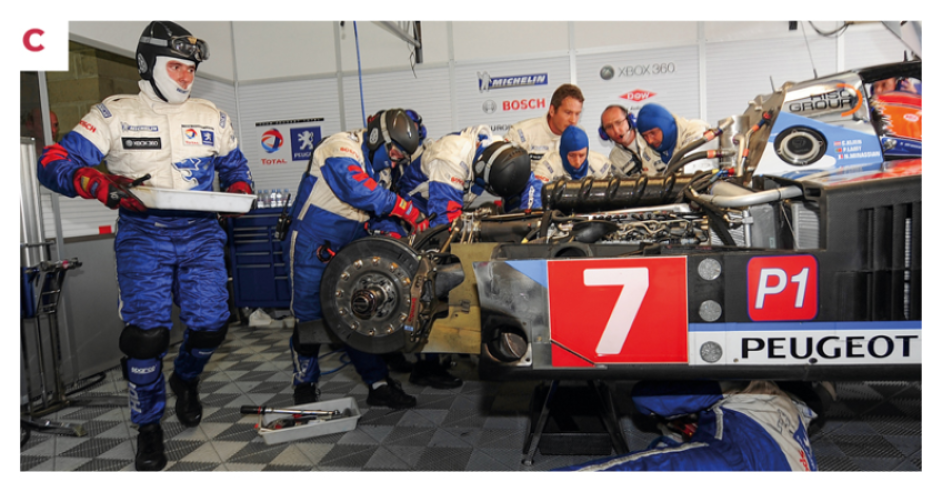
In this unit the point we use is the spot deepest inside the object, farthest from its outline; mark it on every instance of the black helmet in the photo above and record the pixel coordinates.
(392, 126)
(165, 38)
(504, 167)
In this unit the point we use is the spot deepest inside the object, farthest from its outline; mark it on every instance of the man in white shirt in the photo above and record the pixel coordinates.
(541, 135)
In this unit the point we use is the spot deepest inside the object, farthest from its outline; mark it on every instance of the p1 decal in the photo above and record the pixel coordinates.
(620, 310)
(783, 288)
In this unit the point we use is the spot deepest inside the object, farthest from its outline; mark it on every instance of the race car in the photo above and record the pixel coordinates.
(798, 259)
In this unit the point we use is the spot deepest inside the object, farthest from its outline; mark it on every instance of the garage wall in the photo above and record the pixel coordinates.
(307, 71)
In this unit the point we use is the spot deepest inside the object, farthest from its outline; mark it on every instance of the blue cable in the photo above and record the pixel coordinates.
(356, 36)
(344, 359)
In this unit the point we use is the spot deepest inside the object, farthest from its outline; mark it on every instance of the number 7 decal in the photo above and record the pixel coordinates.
(634, 283)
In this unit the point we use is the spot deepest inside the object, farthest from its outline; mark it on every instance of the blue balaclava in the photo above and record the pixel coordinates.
(574, 138)
(656, 116)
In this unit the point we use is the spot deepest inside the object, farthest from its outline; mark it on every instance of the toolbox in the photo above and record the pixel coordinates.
(311, 428)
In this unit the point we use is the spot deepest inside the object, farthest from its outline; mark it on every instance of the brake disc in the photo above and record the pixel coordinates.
(365, 294)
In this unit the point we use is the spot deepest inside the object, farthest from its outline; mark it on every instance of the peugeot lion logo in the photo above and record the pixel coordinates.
(490, 106)
(607, 72)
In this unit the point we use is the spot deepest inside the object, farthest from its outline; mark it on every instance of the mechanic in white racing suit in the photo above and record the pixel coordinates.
(338, 194)
(628, 154)
(448, 174)
(718, 426)
(541, 134)
(666, 133)
(573, 160)
(162, 256)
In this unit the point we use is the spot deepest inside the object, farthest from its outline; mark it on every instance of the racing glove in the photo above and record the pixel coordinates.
(407, 212)
(109, 189)
(240, 187)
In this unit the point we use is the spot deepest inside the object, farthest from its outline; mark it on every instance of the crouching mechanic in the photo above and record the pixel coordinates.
(573, 160)
(665, 134)
(719, 426)
(439, 181)
(336, 197)
(161, 254)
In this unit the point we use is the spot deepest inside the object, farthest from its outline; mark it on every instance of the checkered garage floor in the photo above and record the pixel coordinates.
(480, 426)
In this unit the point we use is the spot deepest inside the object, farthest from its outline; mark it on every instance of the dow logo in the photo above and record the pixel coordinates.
(272, 141)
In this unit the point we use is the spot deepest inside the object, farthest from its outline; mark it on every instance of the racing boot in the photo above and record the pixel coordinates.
(397, 362)
(188, 407)
(150, 448)
(389, 395)
(432, 373)
(306, 393)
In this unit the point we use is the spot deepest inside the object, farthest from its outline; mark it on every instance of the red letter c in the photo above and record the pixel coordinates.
(28, 44)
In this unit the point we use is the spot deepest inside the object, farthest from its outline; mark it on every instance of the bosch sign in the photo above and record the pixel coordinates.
(523, 104)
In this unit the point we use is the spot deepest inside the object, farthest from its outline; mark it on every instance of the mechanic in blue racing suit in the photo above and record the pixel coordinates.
(161, 255)
(336, 197)
(439, 181)
(719, 426)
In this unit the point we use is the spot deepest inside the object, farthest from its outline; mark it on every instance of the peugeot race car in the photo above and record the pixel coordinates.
(799, 259)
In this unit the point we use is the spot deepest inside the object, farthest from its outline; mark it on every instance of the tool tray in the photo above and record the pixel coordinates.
(312, 428)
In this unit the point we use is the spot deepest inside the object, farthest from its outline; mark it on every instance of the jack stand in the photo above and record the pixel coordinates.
(574, 414)
(51, 276)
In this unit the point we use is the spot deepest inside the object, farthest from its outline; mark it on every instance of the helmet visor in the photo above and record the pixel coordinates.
(190, 47)
(182, 46)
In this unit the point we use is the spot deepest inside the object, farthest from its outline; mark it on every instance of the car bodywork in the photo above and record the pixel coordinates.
(800, 260)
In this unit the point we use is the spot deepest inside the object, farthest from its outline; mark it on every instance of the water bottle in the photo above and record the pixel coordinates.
(263, 199)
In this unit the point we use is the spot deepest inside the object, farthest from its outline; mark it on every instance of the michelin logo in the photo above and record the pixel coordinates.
(486, 82)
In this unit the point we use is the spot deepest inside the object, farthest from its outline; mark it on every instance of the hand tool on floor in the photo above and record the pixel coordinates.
(250, 410)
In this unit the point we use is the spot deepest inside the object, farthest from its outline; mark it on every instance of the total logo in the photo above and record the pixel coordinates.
(272, 141)
(638, 95)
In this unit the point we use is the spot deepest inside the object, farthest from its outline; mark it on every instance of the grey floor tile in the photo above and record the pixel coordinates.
(192, 466)
(444, 459)
(30, 462)
(348, 455)
(385, 460)
(102, 464)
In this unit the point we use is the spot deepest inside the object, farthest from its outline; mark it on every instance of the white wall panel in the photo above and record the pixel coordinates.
(380, 49)
(427, 92)
(874, 46)
(471, 100)
(738, 71)
(271, 50)
(603, 34)
(299, 99)
(668, 76)
(488, 40)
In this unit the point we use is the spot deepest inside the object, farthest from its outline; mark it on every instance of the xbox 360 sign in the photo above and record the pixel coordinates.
(607, 72)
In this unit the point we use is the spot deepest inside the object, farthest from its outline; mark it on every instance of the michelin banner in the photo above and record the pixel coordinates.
(287, 141)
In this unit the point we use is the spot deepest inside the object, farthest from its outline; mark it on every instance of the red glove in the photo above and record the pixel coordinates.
(240, 187)
(407, 212)
(109, 189)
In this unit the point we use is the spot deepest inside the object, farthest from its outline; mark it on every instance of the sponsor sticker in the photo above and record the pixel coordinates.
(783, 288)
(140, 143)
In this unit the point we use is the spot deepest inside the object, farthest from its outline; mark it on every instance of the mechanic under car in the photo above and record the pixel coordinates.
(735, 284)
